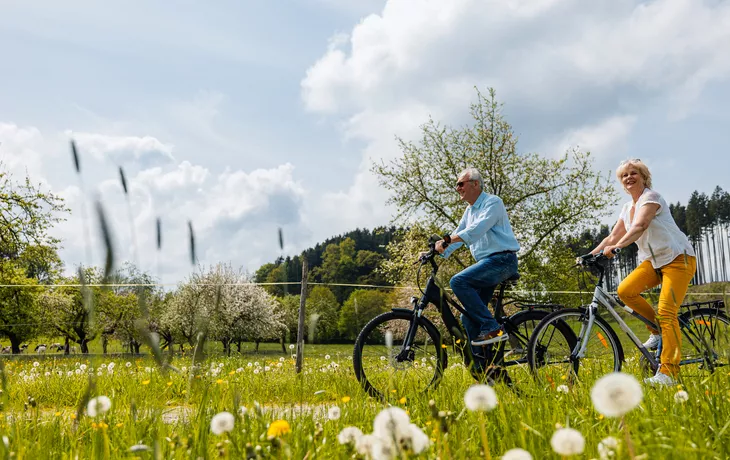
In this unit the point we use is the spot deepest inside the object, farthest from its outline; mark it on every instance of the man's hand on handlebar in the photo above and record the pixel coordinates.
(441, 246)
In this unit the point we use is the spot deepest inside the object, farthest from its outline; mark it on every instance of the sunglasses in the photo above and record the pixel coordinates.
(461, 184)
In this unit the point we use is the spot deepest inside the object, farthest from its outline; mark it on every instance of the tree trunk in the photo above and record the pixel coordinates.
(238, 345)
(15, 345)
(300, 328)
(257, 346)
(67, 346)
(283, 345)
(136, 346)
(84, 346)
(104, 343)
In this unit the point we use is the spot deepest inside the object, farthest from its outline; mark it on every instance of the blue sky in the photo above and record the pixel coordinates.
(249, 116)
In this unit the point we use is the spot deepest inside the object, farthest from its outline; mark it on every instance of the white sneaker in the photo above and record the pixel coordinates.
(652, 342)
(661, 380)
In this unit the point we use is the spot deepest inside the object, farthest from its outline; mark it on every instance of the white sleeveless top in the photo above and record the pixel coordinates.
(666, 239)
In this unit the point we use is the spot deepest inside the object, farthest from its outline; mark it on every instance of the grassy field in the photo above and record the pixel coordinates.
(170, 414)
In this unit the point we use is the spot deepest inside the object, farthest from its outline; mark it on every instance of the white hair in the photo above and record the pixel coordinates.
(473, 175)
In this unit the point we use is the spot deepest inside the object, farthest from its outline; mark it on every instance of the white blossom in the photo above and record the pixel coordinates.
(567, 441)
(222, 423)
(391, 424)
(480, 398)
(419, 440)
(563, 389)
(98, 406)
(615, 394)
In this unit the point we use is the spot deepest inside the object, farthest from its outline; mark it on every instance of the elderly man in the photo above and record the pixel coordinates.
(485, 228)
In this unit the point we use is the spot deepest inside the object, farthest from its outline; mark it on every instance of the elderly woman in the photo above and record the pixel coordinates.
(666, 257)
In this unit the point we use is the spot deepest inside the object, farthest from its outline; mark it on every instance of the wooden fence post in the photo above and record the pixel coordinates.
(300, 327)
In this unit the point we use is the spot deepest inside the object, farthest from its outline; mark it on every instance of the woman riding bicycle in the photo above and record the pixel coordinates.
(666, 257)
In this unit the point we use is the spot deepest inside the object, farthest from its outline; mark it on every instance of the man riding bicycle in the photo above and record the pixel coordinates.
(486, 229)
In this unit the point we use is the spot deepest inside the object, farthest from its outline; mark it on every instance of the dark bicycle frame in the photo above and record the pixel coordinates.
(433, 294)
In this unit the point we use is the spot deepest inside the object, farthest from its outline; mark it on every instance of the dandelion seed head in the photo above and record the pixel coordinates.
(419, 440)
(98, 406)
(607, 448)
(563, 389)
(222, 422)
(615, 394)
(567, 441)
(334, 413)
(480, 398)
(517, 454)
(349, 435)
(681, 396)
(392, 423)
(291, 346)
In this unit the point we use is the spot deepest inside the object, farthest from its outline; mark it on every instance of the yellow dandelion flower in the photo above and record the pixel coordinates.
(57, 414)
(73, 416)
(393, 391)
(119, 425)
(185, 392)
(232, 372)
(402, 400)
(219, 381)
(443, 345)
(345, 399)
(145, 382)
(278, 428)
(169, 384)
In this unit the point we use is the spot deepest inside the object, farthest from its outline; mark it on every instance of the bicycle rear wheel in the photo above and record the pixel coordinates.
(705, 341)
(386, 370)
(553, 347)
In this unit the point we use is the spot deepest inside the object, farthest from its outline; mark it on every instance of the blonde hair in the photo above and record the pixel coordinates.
(637, 164)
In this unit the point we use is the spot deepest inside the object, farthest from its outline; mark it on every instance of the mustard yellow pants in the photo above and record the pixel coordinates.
(675, 280)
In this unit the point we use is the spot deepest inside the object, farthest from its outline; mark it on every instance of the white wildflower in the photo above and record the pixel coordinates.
(517, 454)
(327, 357)
(480, 398)
(267, 368)
(563, 389)
(103, 366)
(69, 373)
(222, 422)
(128, 364)
(256, 371)
(98, 406)
(615, 394)
(6, 442)
(334, 413)
(48, 374)
(239, 370)
(349, 435)
(681, 396)
(36, 364)
(607, 447)
(567, 441)
(249, 364)
(281, 360)
(77, 372)
(242, 410)
(291, 346)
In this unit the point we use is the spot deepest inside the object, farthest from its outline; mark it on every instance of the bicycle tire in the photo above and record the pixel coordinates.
(441, 359)
(557, 321)
(710, 356)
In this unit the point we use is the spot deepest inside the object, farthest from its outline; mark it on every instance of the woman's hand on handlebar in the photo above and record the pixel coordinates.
(610, 251)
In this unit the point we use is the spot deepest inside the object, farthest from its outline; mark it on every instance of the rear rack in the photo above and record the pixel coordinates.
(716, 304)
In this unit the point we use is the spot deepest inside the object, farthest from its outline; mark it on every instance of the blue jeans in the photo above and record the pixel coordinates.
(474, 287)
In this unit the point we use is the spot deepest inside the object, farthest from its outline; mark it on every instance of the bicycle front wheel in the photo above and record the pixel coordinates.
(385, 369)
(553, 349)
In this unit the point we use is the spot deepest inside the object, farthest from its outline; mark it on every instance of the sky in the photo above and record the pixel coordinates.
(247, 117)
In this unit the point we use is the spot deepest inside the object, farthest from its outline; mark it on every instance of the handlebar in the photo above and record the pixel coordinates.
(590, 259)
(432, 252)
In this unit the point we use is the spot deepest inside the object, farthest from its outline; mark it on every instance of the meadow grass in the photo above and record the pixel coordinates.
(171, 414)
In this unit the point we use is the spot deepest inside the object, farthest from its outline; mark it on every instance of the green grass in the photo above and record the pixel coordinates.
(173, 412)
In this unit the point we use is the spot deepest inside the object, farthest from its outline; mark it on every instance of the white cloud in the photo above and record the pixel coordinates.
(146, 150)
(19, 150)
(571, 72)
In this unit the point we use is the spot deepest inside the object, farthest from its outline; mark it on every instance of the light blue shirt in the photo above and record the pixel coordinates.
(485, 228)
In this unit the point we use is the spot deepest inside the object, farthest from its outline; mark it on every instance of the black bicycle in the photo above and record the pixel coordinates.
(576, 339)
(401, 351)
